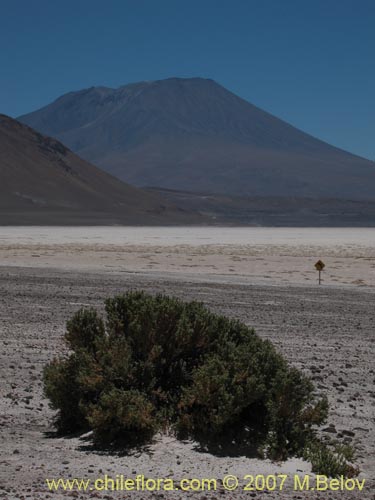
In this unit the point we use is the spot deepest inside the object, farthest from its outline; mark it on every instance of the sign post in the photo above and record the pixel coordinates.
(319, 266)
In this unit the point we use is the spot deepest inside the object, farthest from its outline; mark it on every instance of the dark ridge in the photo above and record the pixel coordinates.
(43, 182)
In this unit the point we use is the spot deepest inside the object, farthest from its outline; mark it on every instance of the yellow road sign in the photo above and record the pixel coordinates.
(320, 265)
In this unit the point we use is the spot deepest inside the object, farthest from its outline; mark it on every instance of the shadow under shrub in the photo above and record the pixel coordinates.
(158, 364)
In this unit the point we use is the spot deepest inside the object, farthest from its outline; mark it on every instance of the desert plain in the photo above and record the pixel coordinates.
(263, 276)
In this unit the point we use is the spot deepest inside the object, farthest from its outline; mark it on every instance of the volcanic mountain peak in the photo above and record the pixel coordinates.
(193, 134)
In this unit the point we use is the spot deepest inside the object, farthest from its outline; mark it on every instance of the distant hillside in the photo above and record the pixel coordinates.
(194, 135)
(43, 182)
(274, 211)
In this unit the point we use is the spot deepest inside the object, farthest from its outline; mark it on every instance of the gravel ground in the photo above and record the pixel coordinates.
(328, 332)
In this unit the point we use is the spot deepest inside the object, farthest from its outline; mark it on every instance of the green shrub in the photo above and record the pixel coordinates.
(65, 394)
(330, 461)
(124, 417)
(158, 363)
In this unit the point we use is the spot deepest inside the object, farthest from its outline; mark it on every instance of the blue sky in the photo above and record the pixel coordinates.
(311, 63)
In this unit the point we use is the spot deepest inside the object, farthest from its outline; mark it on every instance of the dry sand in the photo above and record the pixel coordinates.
(248, 255)
(326, 331)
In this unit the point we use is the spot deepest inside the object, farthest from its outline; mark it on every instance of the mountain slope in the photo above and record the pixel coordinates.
(41, 181)
(193, 134)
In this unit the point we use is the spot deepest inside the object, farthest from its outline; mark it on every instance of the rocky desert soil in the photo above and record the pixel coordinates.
(326, 331)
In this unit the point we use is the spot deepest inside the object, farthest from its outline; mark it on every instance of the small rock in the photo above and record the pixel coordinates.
(348, 433)
(331, 428)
